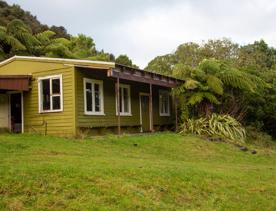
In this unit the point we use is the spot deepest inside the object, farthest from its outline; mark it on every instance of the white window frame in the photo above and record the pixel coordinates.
(100, 83)
(127, 86)
(40, 99)
(161, 113)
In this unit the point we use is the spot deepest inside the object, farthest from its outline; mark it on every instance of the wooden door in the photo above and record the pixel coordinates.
(16, 113)
(145, 120)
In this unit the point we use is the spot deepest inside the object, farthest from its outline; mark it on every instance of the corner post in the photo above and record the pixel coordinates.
(117, 93)
(176, 113)
(150, 109)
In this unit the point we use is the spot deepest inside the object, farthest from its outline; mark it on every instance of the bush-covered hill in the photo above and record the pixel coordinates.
(11, 12)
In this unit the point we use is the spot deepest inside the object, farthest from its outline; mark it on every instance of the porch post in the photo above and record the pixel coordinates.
(176, 114)
(117, 93)
(150, 109)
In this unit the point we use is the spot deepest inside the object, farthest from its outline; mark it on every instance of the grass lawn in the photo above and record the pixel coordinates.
(143, 172)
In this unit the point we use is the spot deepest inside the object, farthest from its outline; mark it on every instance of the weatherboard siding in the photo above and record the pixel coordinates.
(58, 123)
(67, 122)
(109, 119)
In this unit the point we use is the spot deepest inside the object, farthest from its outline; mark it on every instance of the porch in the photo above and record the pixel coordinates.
(143, 114)
(12, 88)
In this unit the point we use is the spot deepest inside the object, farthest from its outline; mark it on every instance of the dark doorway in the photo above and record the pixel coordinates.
(144, 103)
(16, 113)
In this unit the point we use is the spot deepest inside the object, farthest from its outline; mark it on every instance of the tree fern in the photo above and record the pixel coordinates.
(191, 84)
(237, 79)
(215, 84)
(198, 97)
(9, 41)
(45, 37)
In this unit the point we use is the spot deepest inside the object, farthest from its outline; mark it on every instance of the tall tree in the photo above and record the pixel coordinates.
(125, 60)
(257, 56)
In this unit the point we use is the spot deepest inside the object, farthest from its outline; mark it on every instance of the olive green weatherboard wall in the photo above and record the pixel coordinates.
(110, 118)
(58, 123)
(67, 122)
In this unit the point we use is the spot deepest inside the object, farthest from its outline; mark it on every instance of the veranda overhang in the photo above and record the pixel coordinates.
(134, 74)
(14, 82)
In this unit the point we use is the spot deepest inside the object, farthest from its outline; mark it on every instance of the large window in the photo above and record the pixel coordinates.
(164, 103)
(93, 97)
(125, 105)
(50, 94)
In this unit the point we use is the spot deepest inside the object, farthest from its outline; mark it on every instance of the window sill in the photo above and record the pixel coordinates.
(52, 111)
(164, 114)
(124, 114)
(94, 114)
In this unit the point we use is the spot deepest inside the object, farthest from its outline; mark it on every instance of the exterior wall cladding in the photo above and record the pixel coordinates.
(72, 120)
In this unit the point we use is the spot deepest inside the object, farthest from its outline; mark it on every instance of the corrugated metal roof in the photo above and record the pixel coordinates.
(59, 60)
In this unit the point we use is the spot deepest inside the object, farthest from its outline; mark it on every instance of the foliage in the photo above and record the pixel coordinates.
(8, 13)
(221, 76)
(18, 38)
(82, 46)
(22, 34)
(258, 138)
(216, 125)
(162, 64)
(125, 60)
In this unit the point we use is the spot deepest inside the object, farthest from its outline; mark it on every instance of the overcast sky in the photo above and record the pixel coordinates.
(143, 29)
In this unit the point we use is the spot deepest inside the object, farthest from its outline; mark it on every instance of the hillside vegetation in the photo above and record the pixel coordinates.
(141, 172)
(21, 33)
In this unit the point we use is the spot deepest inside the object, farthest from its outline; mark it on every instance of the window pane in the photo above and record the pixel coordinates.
(165, 103)
(45, 94)
(88, 96)
(88, 86)
(56, 102)
(126, 103)
(56, 86)
(97, 97)
(161, 103)
(121, 97)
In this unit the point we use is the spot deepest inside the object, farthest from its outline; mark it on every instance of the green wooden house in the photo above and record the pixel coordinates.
(67, 97)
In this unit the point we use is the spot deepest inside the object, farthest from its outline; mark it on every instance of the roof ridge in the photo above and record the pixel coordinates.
(64, 60)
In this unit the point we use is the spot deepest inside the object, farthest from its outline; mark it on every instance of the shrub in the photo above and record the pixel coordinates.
(216, 125)
(257, 137)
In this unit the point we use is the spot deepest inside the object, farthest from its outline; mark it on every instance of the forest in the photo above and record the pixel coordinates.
(229, 89)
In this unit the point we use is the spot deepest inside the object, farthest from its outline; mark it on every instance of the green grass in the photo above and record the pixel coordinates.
(164, 171)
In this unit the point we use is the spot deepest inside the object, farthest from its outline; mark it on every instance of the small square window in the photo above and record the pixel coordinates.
(50, 96)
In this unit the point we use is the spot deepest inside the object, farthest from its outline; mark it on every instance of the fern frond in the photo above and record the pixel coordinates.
(196, 98)
(237, 79)
(215, 84)
(191, 84)
(44, 37)
(62, 41)
(210, 66)
(212, 98)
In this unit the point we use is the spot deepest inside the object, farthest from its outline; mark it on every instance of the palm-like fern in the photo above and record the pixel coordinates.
(207, 84)
(9, 43)
(21, 32)
(17, 38)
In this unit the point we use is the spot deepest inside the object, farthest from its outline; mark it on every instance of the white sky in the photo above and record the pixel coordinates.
(143, 29)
